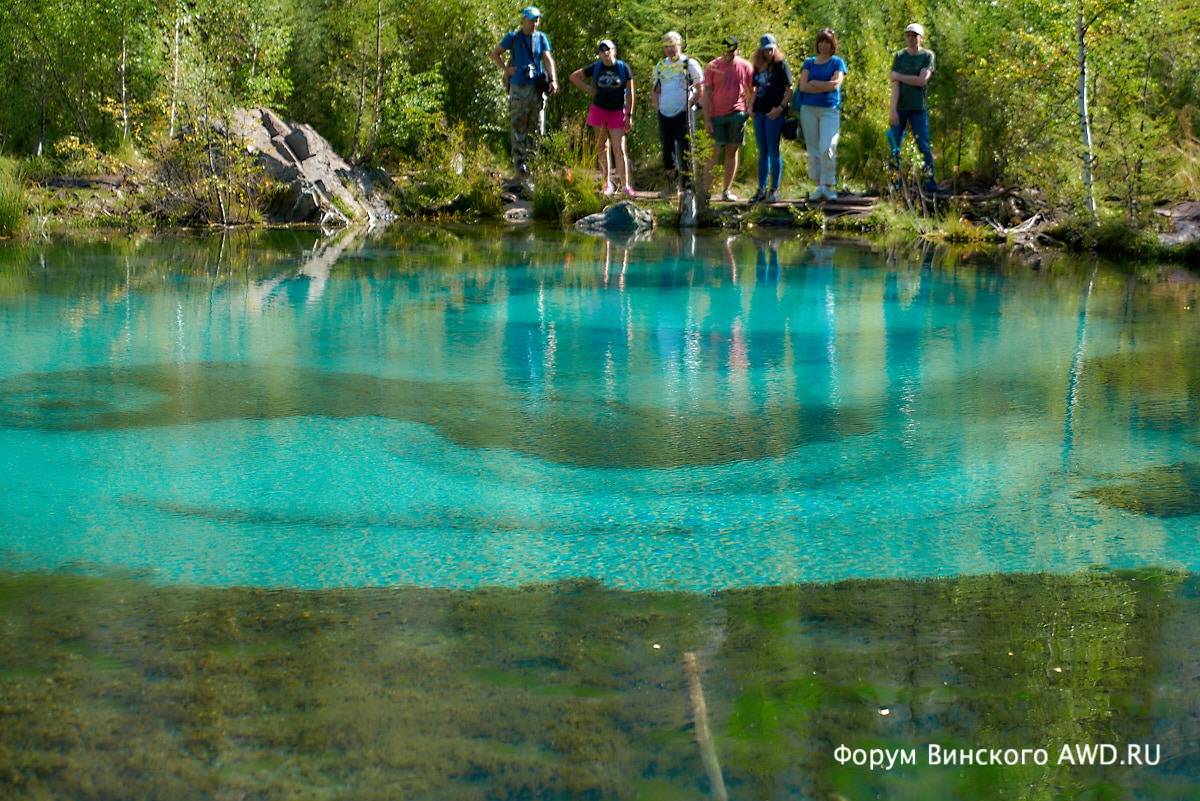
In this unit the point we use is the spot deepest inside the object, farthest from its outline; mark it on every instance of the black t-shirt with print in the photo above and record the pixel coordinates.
(610, 83)
(770, 86)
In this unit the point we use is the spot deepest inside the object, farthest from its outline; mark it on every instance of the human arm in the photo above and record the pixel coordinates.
(577, 78)
(748, 90)
(551, 70)
(894, 116)
(786, 77)
(629, 98)
(912, 80)
(497, 56)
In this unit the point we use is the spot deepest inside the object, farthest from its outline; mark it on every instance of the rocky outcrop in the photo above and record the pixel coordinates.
(320, 186)
(623, 216)
(1184, 223)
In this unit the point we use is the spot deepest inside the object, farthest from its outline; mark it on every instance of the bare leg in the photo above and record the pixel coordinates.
(617, 137)
(602, 157)
(731, 165)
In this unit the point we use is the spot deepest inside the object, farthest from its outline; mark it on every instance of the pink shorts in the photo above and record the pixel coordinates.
(603, 118)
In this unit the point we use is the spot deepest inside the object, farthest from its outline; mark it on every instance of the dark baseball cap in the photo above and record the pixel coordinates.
(730, 42)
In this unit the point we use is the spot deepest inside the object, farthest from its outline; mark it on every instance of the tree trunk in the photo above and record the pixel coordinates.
(362, 97)
(1085, 121)
(378, 73)
(175, 78)
(124, 92)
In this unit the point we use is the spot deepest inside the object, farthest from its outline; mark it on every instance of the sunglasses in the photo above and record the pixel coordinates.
(604, 49)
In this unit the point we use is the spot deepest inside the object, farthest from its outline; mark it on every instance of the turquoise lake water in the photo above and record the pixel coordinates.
(458, 408)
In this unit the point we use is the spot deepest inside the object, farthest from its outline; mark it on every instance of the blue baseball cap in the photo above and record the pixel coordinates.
(531, 12)
(767, 40)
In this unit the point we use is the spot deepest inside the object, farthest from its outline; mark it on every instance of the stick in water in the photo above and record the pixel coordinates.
(708, 751)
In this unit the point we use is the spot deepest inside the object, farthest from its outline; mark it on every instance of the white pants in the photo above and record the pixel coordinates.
(821, 125)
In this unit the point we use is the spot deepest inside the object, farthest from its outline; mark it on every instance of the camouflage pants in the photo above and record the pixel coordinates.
(525, 104)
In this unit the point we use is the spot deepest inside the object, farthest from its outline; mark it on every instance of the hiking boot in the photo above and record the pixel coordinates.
(817, 194)
(773, 196)
(830, 194)
(759, 196)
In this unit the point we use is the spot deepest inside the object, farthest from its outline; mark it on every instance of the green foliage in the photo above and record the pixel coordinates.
(379, 78)
(206, 179)
(1112, 235)
(412, 116)
(565, 197)
(12, 198)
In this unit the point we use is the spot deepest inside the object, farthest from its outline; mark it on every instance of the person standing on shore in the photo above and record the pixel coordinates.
(728, 89)
(819, 99)
(772, 92)
(912, 68)
(611, 112)
(678, 81)
(529, 78)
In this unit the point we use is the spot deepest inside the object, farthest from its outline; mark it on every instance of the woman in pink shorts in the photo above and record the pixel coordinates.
(609, 82)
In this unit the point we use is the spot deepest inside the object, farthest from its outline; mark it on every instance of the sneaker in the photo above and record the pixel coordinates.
(830, 194)
(817, 194)
(630, 193)
(759, 196)
(727, 195)
(773, 196)
(609, 190)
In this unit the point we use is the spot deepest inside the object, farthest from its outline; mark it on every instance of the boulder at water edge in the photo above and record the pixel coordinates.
(321, 187)
(623, 216)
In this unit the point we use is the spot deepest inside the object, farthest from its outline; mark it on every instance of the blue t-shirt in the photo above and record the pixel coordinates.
(822, 72)
(526, 50)
(610, 83)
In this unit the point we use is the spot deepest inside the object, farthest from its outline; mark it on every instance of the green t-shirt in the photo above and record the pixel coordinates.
(912, 98)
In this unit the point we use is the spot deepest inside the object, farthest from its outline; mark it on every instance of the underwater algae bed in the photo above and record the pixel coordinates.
(115, 688)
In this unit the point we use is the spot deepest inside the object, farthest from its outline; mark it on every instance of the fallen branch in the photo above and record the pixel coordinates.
(708, 751)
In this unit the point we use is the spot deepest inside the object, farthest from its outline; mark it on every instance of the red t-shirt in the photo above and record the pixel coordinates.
(725, 80)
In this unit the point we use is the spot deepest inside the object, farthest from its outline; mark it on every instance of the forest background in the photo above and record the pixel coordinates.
(408, 86)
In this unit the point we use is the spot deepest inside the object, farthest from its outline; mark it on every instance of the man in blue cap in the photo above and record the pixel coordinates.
(529, 76)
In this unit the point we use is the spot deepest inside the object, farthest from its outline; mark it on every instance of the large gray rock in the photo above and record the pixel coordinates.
(1185, 223)
(623, 216)
(321, 186)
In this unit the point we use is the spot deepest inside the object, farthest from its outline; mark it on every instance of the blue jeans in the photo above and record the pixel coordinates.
(768, 132)
(919, 122)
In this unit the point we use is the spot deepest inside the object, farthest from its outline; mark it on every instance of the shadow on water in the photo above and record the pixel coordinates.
(113, 688)
(581, 431)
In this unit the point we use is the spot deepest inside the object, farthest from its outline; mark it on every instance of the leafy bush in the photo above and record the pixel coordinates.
(208, 179)
(1110, 235)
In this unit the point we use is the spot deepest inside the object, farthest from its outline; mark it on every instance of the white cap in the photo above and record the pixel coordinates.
(916, 28)
(672, 37)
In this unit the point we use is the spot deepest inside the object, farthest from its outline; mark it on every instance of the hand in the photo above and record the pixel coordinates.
(894, 118)
(774, 113)
(592, 92)
(510, 71)
(553, 86)
(628, 122)
(708, 127)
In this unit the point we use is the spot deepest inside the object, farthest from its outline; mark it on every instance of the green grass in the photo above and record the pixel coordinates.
(565, 197)
(12, 198)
